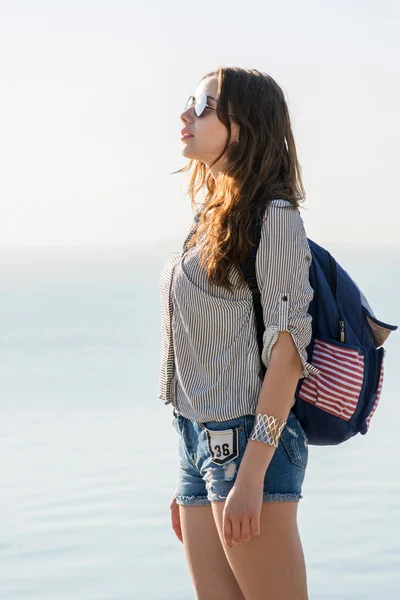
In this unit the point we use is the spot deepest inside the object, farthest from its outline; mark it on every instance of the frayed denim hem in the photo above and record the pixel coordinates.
(281, 497)
(204, 501)
(192, 500)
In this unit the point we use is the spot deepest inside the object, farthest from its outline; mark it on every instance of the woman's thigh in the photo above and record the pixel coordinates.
(271, 566)
(209, 568)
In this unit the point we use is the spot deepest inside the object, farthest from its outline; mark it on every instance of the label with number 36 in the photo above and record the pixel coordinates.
(223, 445)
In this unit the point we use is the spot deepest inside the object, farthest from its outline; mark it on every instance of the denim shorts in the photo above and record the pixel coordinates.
(210, 454)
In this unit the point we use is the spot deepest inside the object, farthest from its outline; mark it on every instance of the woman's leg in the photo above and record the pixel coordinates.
(209, 569)
(271, 566)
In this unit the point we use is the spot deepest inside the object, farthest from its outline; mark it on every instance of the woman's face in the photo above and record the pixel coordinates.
(209, 133)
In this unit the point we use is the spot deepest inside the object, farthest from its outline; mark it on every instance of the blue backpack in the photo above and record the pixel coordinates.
(346, 346)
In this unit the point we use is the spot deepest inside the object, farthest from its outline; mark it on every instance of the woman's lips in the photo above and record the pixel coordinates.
(186, 136)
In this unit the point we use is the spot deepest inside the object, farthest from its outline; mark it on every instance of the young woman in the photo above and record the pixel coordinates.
(243, 453)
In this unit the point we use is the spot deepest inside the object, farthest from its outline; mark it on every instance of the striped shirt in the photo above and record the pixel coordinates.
(210, 359)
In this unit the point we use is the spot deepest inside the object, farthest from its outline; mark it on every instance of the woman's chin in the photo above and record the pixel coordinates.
(188, 152)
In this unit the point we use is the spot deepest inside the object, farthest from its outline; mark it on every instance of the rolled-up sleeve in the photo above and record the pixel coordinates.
(282, 265)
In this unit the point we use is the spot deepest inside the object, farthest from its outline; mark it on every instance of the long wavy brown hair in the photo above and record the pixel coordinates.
(260, 167)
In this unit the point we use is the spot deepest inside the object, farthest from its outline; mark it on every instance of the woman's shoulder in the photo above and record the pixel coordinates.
(281, 212)
(282, 222)
(280, 202)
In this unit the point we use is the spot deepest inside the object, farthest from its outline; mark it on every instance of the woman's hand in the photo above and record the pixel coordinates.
(175, 518)
(241, 516)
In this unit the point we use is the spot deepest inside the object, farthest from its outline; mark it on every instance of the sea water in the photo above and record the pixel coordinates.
(89, 457)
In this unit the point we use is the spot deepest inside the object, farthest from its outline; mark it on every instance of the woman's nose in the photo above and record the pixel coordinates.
(186, 116)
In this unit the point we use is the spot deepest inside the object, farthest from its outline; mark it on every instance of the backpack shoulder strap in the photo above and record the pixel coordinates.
(249, 269)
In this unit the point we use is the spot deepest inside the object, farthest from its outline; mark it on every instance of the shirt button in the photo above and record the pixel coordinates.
(284, 298)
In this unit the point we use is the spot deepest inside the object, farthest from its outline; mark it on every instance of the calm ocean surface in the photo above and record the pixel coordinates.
(89, 456)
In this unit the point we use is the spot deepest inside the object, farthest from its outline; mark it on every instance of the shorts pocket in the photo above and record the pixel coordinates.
(175, 424)
(222, 444)
(294, 441)
(336, 389)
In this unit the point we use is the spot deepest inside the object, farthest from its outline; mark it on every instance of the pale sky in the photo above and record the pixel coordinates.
(91, 93)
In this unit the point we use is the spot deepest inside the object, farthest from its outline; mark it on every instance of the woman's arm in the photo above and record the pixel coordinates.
(276, 396)
(282, 265)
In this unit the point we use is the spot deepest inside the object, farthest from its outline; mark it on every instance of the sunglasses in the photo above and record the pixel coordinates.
(200, 104)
